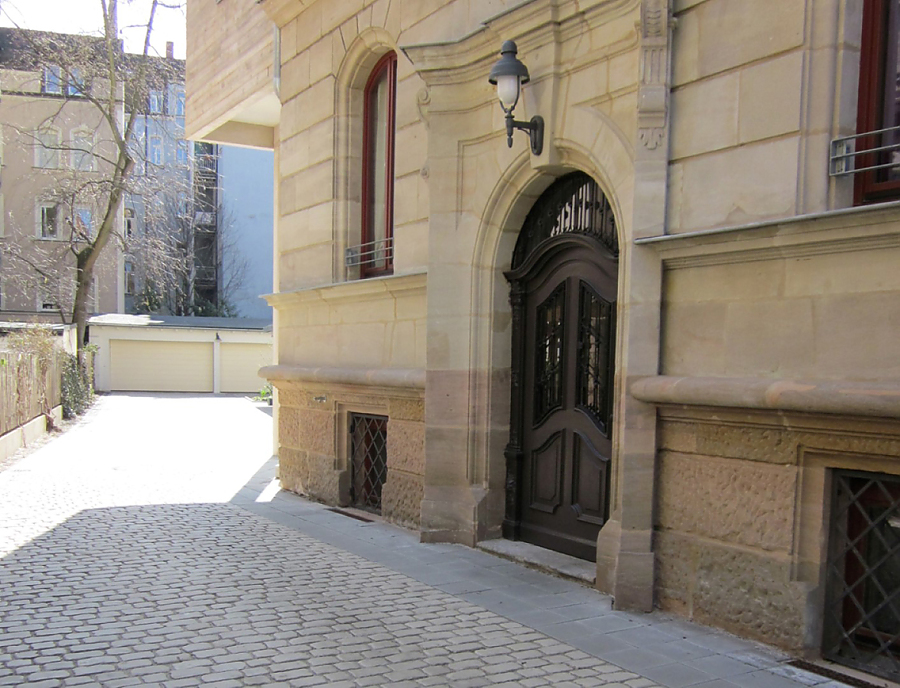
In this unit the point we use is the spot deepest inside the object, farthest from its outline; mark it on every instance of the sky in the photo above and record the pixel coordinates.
(85, 17)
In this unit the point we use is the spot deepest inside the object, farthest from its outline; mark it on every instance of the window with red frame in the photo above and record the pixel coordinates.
(377, 250)
(879, 103)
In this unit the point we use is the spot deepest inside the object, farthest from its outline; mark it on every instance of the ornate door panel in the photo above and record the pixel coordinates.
(564, 299)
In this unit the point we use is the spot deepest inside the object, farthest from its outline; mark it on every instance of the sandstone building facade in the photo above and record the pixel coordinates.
(666, 342)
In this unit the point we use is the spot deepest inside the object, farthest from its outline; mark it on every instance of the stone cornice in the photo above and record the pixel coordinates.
(851, 229)
(871, 399)
(283, 11)
(355, 290)
(531, 24)
(405, 378)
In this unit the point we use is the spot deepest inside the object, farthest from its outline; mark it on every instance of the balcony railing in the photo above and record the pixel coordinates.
(204, 217)
(374, 254)
(204, 275)
(844, 153)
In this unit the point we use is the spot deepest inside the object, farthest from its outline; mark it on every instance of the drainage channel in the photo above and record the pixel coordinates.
(820, 670)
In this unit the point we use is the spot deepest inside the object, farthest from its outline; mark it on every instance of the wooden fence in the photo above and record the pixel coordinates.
(24, 395)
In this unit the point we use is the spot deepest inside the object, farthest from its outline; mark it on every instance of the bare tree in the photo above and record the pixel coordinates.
(97, 72)
(187, 242)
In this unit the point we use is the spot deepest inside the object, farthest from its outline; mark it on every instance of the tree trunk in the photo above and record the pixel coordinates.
(83, 280)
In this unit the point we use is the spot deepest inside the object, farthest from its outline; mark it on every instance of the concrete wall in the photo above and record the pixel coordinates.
(246, 178)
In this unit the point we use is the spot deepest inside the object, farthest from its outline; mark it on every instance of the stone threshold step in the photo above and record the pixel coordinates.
(543, 559)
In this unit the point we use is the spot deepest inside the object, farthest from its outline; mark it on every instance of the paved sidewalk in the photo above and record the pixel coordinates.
(149, 546)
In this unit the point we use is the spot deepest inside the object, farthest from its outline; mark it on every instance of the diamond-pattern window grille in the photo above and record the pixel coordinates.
(862, 618)
(368, 448)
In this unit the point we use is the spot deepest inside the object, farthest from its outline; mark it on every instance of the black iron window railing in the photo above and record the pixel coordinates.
(374, 255)
(862, 616)
(872, 150)
(368, 460)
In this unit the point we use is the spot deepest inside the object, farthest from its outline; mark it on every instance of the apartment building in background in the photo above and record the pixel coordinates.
(663, 339)
(55, 146)
(198, 215)
(181, 246)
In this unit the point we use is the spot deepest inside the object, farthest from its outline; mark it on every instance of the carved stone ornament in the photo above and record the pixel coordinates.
(423, 99)
(653, 18)
(653, 94)
(651, 137)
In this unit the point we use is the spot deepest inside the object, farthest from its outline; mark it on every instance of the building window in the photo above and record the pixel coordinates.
(82, 156)
(879, 103)
(46, 147)
(83, 223)
(376, 251)
(156, 102)
(179, 103)
(75, 85)
(862, 621)
(138, 147)
(182, 153)
(182, 208)
(52, 79)
(47, 301)
(129, 222)
(368, 460)
(48, 221)
(129, 278)
(156, 150)
(48, 304)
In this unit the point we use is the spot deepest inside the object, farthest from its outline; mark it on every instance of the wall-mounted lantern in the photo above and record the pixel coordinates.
(508, 74)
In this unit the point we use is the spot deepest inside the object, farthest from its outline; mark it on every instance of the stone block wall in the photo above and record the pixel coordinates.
(780, 77)
(724, 527)
(230, 60)
(742, 516)
(788, 301)
(314, 457)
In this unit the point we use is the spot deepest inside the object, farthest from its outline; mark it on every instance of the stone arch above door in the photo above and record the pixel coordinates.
(503, 214)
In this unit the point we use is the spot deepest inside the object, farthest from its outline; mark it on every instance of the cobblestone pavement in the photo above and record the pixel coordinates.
(147, 546)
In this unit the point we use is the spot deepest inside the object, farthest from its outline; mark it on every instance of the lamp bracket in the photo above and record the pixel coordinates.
(534, 128)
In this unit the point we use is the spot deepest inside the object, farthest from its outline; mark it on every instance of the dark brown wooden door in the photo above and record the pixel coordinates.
(569, 329)
(563, 283)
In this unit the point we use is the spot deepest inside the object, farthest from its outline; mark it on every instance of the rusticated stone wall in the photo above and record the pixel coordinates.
(314, 454)
(741, 514)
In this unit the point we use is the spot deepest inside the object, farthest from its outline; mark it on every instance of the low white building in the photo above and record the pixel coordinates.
(164, 353)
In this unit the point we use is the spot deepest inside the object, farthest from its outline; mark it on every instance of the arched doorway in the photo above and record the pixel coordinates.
(563, 286)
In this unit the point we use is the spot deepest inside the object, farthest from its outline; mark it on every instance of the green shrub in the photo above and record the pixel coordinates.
(265, 394)
(77, 384)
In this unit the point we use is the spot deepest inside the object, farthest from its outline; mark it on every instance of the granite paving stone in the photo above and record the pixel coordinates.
(137, 550)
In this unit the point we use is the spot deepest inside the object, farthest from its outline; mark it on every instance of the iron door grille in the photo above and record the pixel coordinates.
(862, 618)
(368, 459)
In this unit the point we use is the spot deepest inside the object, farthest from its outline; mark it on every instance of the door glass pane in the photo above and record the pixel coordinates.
(548, 372)
(594, 349)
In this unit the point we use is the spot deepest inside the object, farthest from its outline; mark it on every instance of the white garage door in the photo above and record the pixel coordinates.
(240, 363)
(161, 366)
